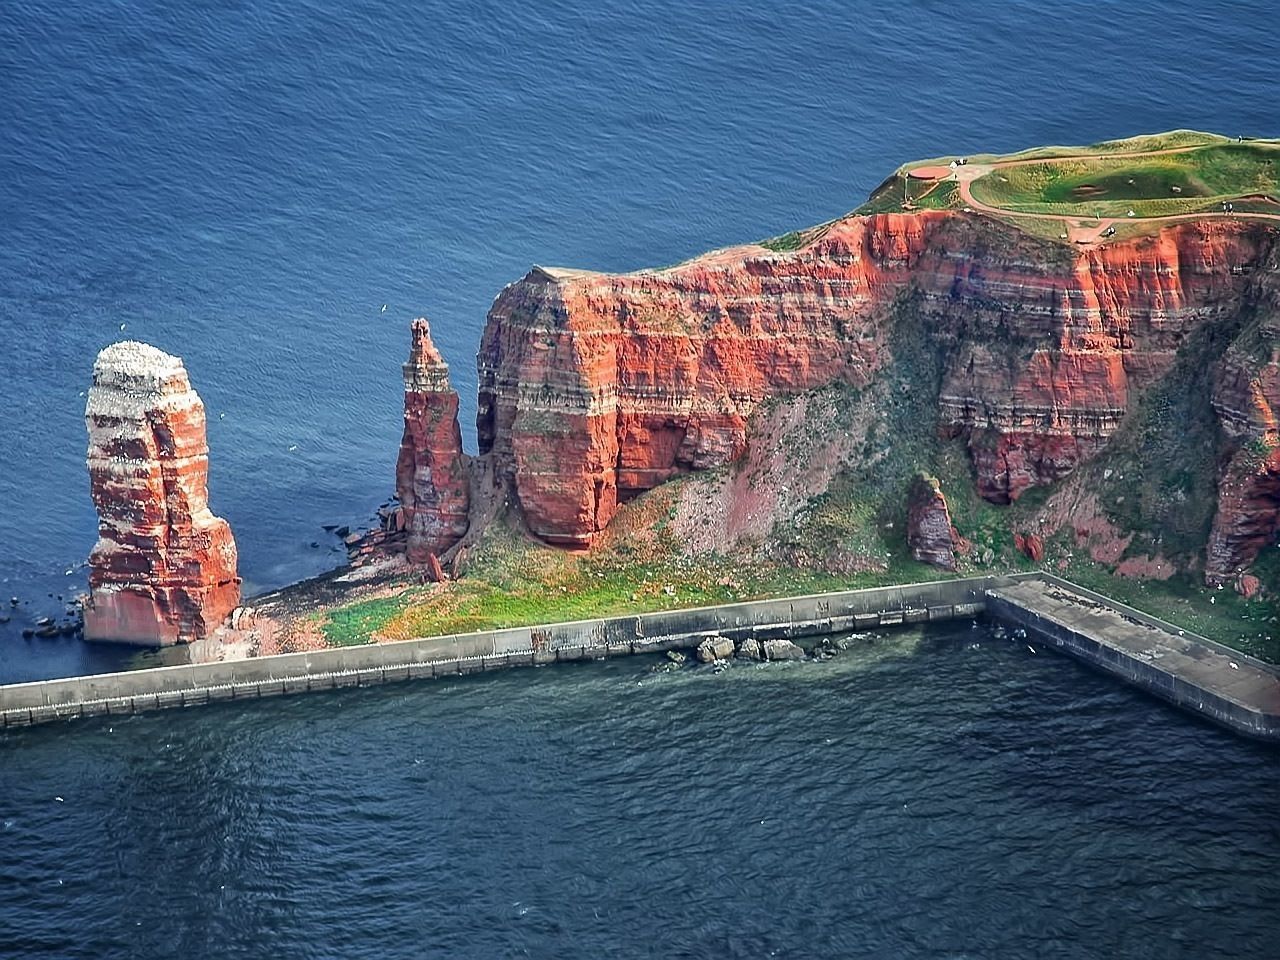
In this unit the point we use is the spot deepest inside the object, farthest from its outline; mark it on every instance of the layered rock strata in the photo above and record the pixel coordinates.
(596, 387)
(431, 471)
(164, 567)
(930, 536)
(1246, 397)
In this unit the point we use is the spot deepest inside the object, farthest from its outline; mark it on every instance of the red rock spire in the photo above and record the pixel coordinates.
(164, 567)
(431, 472)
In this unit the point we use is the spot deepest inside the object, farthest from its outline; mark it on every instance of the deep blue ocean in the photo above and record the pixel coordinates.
(246, 184)
(952, 798)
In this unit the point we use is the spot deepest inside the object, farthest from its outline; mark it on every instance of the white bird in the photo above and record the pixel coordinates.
(384, 308)
(293, 448)
(123, 325)
(1031, 648)
(59, 799)
(222, 416)
(1233, 665)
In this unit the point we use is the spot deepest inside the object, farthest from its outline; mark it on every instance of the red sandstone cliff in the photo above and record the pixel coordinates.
(596, 387)
(1246, 397)
(431, 474)
(164, 568)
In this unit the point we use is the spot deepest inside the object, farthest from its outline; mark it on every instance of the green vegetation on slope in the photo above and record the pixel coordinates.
(559, 588)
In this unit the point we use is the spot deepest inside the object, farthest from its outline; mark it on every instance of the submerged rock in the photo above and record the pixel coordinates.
(715, 648)
(782, 649)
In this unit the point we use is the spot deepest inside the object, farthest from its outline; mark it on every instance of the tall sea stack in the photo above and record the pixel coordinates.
(431, 473)
(164, 567)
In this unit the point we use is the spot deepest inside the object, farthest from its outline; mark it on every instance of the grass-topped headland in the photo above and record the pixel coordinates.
(1149, 185)
(1081, 193)
(1068, 431)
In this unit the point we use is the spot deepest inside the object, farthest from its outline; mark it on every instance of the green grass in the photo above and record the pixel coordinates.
(1189, 182)
(354, 623)
(796, 239)
(886, 198)
(1139, 144)
(599, 587)
(944, 195)
(788, 241)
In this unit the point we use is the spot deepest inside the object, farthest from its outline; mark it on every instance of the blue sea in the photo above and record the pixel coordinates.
(246, 184)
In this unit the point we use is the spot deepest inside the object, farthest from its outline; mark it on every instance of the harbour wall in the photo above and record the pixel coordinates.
(136, 691)
(1192, 672)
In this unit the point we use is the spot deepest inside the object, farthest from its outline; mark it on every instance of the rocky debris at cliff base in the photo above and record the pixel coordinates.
(749, 649)
(782, 649)
(714, 648)
(1030, 545)
(434, 572)
(1248, 586)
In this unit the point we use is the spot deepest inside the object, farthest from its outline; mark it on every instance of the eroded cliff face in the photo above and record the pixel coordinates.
(595, 387)
(1246, 397)
(164, 567)
(431, 471)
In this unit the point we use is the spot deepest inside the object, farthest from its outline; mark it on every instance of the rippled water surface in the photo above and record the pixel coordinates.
(913, 798)
(246, 184)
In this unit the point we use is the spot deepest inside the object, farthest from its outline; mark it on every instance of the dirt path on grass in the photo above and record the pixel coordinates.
(1088, 230)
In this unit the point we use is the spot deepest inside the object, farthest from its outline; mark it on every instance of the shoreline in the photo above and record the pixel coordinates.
(1119, 640)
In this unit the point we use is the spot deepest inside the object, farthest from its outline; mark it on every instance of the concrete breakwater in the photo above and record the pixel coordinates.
(135, 691)
(1192, 672)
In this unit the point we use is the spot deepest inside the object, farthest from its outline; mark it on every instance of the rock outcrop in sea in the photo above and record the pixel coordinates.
(164, 567)
(431, 471)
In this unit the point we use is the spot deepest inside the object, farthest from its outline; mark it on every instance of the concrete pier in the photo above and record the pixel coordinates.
(1192, 672)
(1189, 671)
(136, 691)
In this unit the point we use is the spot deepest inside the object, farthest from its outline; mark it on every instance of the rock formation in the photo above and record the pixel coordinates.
(1246, 398)
(431, 473)
(930, 535)
(594, 387)
(1030, 545)
(164, 567)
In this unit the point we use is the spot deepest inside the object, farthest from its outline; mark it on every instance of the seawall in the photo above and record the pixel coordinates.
(186, 685)
(1189, 671)
(1216, 682)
